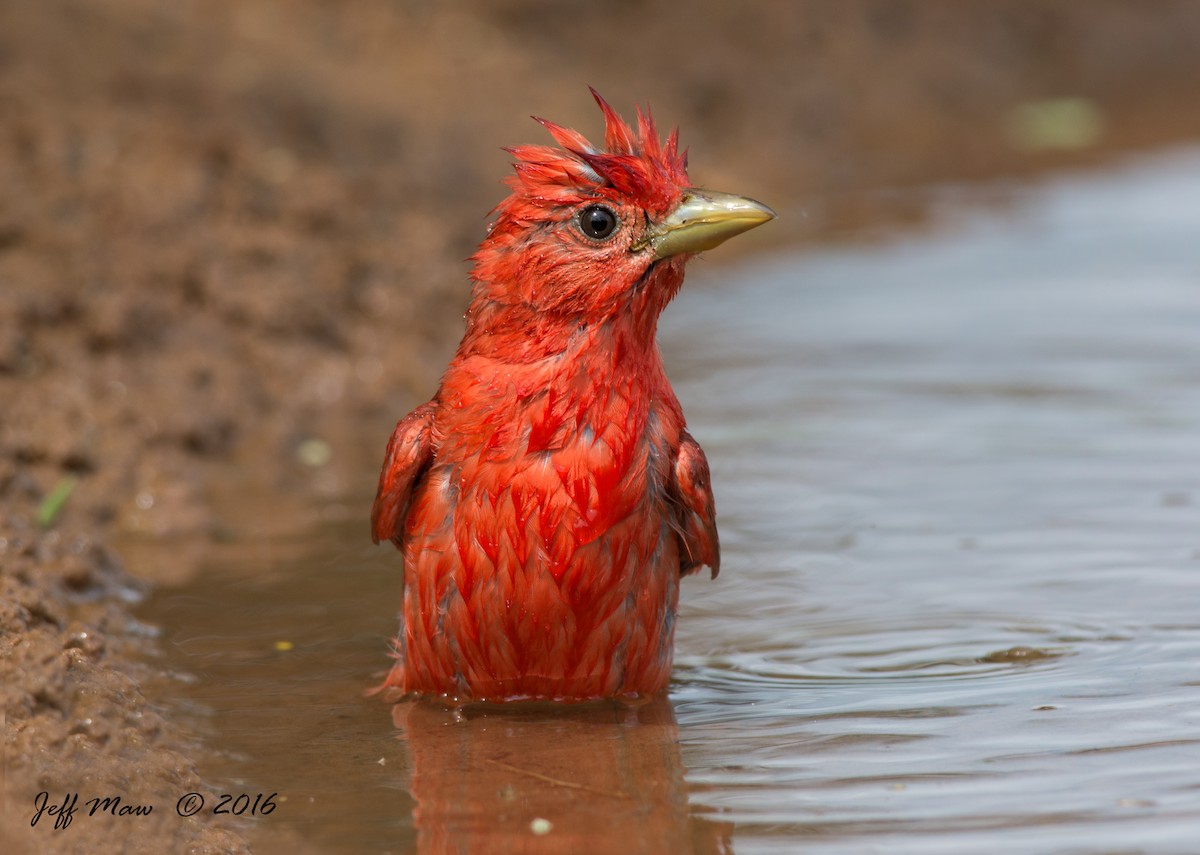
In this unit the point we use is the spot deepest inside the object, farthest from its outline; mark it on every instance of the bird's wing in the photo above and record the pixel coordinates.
(692, 489)
(409, 453)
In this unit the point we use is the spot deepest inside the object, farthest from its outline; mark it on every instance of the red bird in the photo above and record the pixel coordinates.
(549, 498)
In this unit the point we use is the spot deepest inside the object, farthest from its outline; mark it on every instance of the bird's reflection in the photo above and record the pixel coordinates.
(516, 778)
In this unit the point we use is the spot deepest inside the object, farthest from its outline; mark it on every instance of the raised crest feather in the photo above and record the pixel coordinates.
(637, 164)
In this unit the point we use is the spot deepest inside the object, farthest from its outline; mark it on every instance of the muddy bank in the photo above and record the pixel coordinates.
(231, 233)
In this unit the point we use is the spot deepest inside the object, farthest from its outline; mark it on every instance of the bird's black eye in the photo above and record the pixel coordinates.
(597, 222)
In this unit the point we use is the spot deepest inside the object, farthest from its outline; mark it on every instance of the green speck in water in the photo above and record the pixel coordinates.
(540, 826)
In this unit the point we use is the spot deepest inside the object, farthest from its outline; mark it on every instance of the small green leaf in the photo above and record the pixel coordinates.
(314, 452)
(53, 504)
(1056, 123)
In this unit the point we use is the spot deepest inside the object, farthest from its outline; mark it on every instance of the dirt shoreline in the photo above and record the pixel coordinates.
(231, 235)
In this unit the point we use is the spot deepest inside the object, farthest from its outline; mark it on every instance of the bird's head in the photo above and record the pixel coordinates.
(591, 232)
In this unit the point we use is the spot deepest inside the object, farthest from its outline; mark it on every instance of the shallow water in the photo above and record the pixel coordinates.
(958, 483)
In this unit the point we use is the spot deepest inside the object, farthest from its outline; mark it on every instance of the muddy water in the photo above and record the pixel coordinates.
(958, 477)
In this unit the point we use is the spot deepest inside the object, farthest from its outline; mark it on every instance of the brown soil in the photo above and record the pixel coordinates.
(230, 228)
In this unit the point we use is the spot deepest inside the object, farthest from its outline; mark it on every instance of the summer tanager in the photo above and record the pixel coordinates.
(549, 498)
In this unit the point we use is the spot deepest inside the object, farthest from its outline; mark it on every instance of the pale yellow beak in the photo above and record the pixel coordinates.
(703, 220)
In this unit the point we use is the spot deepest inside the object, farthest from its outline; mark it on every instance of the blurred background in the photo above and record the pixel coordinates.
(233, 232)
(252, 216)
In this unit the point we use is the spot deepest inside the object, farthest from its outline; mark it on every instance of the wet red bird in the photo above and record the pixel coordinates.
(549, 498)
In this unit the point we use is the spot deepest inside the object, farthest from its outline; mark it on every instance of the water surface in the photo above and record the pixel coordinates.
(958, 484)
